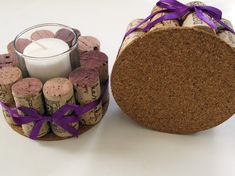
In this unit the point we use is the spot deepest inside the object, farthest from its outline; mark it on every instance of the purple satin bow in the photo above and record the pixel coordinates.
(59, 117)
(176, 10)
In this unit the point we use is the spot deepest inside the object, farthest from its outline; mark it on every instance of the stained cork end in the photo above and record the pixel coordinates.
(65, 35)
(96, 60)
(88, 43)
(21, 44)
(176, 80)
(9, 75)
(93, 59)
(27, 87)
(57, 88)
(9, 59)
(42, 34)
(84, 77)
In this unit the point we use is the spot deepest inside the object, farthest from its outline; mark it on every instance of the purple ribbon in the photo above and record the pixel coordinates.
(176, 10)
(60, 117)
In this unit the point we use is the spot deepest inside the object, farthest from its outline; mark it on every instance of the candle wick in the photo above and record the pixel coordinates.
(39, 44)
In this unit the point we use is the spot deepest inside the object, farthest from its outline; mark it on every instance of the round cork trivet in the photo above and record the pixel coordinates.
(176, 80)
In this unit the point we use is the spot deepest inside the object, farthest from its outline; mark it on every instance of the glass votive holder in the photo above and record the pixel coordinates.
(47, 50)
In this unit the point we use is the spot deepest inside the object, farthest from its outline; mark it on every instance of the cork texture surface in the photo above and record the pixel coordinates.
(176, 80)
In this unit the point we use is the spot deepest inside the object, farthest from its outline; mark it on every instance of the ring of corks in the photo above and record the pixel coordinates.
(178, 77)
(84, 85)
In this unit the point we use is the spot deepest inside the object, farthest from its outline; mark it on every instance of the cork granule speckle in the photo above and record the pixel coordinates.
(176, 80)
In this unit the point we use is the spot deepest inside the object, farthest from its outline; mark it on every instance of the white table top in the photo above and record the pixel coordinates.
(117, 146)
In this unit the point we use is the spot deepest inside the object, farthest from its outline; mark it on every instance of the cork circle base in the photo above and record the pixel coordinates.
(176, 80)
(51, 136)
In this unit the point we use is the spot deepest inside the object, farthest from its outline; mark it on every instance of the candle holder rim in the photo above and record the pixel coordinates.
(42, 25)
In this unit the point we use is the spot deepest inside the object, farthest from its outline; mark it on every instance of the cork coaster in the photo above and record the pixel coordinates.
(176, 80)
(52, 137)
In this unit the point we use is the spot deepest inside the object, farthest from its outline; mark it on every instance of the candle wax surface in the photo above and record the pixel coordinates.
(45, 59)
(52, 46)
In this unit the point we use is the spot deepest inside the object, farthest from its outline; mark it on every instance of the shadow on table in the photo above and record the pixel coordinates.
(118, 136)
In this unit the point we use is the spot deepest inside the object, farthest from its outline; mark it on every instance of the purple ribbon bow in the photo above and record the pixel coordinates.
(176, 10)
(60, 117)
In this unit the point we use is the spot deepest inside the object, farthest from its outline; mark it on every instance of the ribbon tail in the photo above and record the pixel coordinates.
(141, 23)
(70, 129)
(201, 16)
(36, 130)
(169, 16)
(21, 119)
(225, 26)
(16, 118)
(211, 11)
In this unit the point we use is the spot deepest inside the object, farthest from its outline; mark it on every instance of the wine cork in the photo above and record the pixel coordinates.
(75, 59)
(88, 43)
(42, 34)
(134, 35)
(65, 35)
(9, 59)
(69, 37)
(8, 116)
(227, 36)
(28, 93)
(96, 60)
(8, 76)
(20, 45)
(163, 24)
(192, 20)
(105, 99)
(10, 47)
(57, 93)
(87, 85)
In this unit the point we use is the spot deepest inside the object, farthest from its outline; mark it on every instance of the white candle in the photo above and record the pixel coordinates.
(45, 59)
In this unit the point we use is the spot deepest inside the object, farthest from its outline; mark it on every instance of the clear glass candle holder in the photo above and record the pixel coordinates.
(47, 51)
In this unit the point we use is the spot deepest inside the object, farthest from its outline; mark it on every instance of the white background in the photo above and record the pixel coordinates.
(117, 146)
